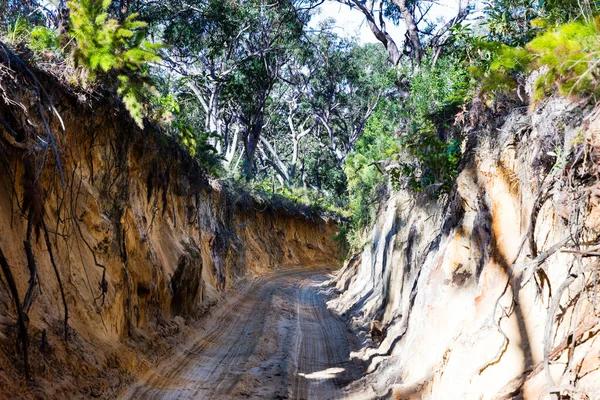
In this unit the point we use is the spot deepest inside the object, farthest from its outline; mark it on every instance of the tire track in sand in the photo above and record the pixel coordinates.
(248, 330)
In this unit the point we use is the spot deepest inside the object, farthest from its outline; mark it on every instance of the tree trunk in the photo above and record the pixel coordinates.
(411, 29)
(379, 31)
(214, 122)
(251, 139)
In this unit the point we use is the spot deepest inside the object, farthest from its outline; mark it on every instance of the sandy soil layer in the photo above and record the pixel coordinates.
(274, 340)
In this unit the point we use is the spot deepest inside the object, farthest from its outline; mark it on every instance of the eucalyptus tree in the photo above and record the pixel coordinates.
(318, 109)
(291, 117)
(229, 54)
(421, 33)
(348, 84)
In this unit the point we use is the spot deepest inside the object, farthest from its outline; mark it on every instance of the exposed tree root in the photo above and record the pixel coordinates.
(103, 282)
(506, 340)
(550, 324)
(42, 96)
(31, 265)
(541, 199)
(60, 285)
(20, 314)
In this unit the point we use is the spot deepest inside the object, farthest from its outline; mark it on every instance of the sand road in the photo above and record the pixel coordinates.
(275, 339)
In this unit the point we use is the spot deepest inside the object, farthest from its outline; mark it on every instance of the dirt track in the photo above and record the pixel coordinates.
(276, 339)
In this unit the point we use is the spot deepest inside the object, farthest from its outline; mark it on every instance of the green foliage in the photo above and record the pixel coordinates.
(437, 90)
(567, 57)
(38, 38)
(294, 196)
(431, 161)
(510, 21)
(104, 45)
(570, 55)
(342, 239)
(168, 113)
(364, 166)
(558, 12)
(423, 158)
(503, 64)
(17, 30)
(516, 22)
(42, 38)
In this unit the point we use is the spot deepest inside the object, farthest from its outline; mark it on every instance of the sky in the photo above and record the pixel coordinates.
(351, 22)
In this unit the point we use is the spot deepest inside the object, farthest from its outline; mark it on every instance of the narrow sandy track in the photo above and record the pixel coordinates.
(274, 340)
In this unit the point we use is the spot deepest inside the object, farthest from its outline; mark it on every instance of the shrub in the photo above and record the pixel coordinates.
(429, 160)
(501, 66)
(423, 158)
(567, 55)
(17, 30)
(166, 111)
(570, 54)
(104, 45)
(364, 166)
(42, 39)
(510, 21)
(437, 89)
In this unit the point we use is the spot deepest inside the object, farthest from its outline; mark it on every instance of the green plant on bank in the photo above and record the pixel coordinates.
(429, 160)
(364, 167)
(424, 159)
(42, 39)
(38, 38)
(516, 22)
(342, 240)
(567, 56)
(17, 30)
(571, 55)
(167, 112)
(105, 45)
(436, 90)
(500, 66)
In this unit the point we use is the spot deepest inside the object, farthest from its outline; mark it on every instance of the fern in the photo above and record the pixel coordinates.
(105, 45)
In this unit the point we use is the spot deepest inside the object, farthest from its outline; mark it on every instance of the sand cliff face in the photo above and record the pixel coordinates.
(472, 303)
(140, 238)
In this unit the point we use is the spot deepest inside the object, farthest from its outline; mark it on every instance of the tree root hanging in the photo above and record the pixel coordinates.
(42, 97)
(103, 282)
(550, 324)
(593, 327)
(537, 206)
(60, 285)
(505, 339)
(20, 313)
(31, 265)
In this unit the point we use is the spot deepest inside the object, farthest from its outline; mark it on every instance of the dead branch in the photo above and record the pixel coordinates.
(564, 345)
(591, 252)
(20, 314)
(531, 267)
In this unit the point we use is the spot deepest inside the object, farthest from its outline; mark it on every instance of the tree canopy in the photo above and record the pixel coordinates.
(255, 92)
